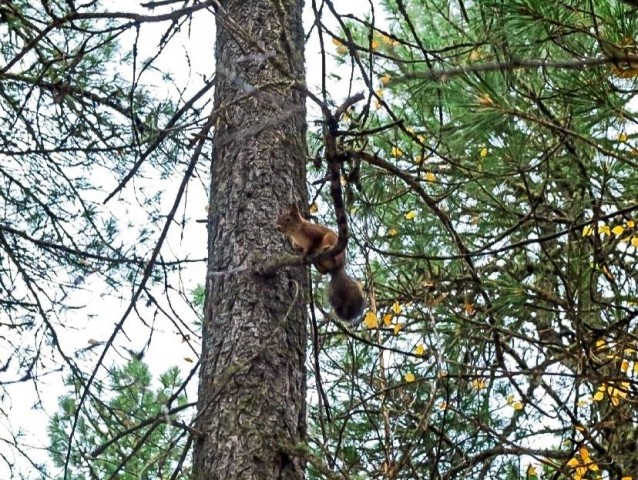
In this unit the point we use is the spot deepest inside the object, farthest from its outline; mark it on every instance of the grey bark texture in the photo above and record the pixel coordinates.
(252, 381)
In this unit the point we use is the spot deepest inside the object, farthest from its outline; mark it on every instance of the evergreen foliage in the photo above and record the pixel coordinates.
(490, 178)
(122, 430)
(494, 224)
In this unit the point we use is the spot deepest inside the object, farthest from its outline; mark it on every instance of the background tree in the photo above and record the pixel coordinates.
(88, 142)
(488, 175)
(72, 119)
(491, 177)
(146, 444)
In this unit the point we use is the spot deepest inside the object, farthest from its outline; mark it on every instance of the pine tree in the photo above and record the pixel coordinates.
(489, 177)
(493, 204)
(126, 436)
(252, 382)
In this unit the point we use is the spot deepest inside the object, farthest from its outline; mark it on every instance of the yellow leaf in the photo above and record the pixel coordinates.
(584, 454)
(572, 462)
(385, 39)
(599, 396)
(396, 308)
(443, 405)
(420, 138)
(188, 359)
(469, 308)
(374, 44)
(419, 350)
(385, 79)
(427, 282)
(622, 137)
(387, 319)
(623, 72)
(615, 393)
(579, 428)
(486, 101)
(517, 405)
(370, 320)
(531, 471)
(397, 328)
(393, 232)
(478, 384)
(634, 242)
(593, 467)
(409, 377)
(635, 369)
(604, 229)
(588, 231)
(475, 55)
(396, 152)
(410, 215)
(631, 224)
(342, 49)
(627, 478)
(418, 159)
(336, 42)
(313, 208)
(618, 230)
(624, 366)
(600, 344)
(429, 176)
(483, 152)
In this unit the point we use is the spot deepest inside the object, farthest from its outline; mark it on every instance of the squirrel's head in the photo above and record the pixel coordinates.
(287, 221)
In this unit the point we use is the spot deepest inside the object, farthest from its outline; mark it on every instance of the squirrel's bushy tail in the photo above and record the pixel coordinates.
(345, 296)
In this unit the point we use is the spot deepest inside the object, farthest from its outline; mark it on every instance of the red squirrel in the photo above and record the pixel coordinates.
(344, 293)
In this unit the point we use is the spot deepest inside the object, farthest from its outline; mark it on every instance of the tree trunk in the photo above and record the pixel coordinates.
(252, 380)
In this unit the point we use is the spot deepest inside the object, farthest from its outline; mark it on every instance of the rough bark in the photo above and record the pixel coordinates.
(252, 380)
